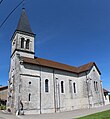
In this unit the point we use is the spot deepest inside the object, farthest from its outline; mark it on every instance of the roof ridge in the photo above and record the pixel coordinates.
(56, 62)
(86, 64)
(61, 66)
(64, 63)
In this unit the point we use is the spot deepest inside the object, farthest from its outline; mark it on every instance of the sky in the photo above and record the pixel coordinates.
(72, 32)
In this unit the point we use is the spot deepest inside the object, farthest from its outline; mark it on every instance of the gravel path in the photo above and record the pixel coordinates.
(67, 115)
(4, 115)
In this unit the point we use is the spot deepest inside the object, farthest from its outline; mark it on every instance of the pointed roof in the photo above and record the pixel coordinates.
(87, 67)
(23, 24)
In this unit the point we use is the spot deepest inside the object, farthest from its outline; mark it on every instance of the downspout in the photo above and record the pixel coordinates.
(54, 90)
(59, 95)
(40, 90)
(40, 69)
(40, 84)
(87, 90)
(102, 93)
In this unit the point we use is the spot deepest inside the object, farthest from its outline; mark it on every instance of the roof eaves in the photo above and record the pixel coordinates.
(106, 91)
(76, 70)
(3, 87)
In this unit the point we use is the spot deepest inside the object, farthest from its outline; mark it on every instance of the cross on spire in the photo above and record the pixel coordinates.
(24, 4)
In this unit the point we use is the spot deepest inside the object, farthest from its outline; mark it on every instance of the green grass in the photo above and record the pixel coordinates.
(100, 115)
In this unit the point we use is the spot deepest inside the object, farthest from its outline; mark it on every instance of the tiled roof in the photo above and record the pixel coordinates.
(56, 65)
(88, 66)
(3, 87)
(105, 91)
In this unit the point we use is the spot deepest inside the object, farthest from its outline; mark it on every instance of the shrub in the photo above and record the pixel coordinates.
(2, 107)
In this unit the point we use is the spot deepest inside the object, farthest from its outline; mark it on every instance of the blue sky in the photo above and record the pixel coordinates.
(73, 32)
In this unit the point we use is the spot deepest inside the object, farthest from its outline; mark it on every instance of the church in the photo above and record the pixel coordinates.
(38, 85)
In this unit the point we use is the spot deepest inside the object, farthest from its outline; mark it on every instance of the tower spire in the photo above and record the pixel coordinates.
(23, 37)
(23, 24)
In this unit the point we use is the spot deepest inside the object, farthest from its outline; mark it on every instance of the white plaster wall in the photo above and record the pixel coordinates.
(106, 100)
(24, 54)
(68, 100)
(16, 44)
(47, 98)
(96, 96)
(30, 69)
(33, 89)
(50, 100)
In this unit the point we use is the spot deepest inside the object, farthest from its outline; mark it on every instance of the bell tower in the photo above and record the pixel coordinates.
(23, 38)
(22, 46)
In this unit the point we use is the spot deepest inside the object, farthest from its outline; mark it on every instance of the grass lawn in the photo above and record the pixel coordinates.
(100, 115)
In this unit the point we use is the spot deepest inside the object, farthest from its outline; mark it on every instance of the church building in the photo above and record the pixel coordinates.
(38, 85)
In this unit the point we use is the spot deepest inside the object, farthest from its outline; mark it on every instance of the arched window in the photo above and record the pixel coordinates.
(46, 85)
(29, 97)
(27, 44)
(62, 87)
(94, 86)
(74, 87)
(22, 42)
(70, 86)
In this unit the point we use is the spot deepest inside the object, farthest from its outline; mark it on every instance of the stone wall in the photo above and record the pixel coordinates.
(54, 100)
(29, 88)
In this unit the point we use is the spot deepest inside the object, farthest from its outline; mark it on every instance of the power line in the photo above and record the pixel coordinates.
(11, 13)
(1, 1)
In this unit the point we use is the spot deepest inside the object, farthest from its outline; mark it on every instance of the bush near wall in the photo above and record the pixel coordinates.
(2, 102)
(2, 107)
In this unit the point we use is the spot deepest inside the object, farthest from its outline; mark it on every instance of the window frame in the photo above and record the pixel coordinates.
(62, 87)
(74, 88)
(94, 85)
(27, 46)
(22, 42)
(46, 86)
(29, 97)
